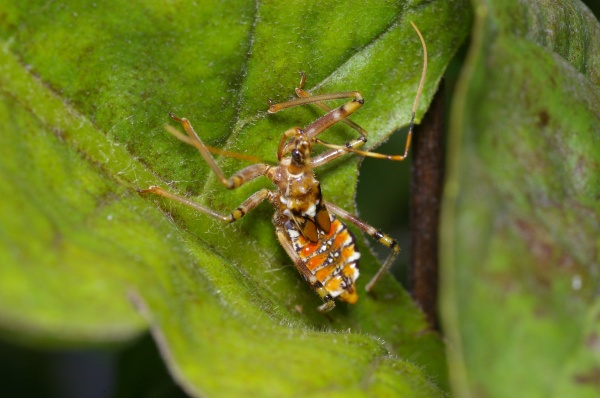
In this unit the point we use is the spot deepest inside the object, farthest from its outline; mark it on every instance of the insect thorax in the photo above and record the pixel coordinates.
(298, 195)
(326, 248)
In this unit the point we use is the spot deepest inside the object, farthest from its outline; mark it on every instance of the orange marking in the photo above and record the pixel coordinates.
(316, 261)
(323, 273)
(348, 271)
(340, 240)
(349, 296)
(309, 249)
(302, 241)
(348, 251)
(334, 284)
(334, 226)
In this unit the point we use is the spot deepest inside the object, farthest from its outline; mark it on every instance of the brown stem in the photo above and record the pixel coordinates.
(427, 175)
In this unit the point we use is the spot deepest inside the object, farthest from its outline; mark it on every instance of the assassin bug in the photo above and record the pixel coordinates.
(321, 246)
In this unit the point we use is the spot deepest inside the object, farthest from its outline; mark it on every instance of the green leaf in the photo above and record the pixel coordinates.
(85, 92)
(522, 216)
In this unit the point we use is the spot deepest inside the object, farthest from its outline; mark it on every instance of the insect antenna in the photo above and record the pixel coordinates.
(412, 119)
(235, 155)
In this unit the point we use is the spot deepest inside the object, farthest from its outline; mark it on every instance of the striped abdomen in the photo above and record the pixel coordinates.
(333, 259)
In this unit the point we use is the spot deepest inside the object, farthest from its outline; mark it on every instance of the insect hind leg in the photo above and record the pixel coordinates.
(381, 237)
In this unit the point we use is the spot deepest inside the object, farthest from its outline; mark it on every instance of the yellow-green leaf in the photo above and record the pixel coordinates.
(85, 90)
(522, 219)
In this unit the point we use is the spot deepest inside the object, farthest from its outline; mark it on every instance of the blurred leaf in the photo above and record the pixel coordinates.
(85, 91)
(522, 217)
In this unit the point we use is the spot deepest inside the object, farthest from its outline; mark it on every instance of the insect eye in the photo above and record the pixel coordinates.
(296, 156)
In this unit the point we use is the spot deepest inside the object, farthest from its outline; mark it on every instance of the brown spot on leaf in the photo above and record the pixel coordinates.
(593, 342)
(541, 250)
(591, 377)
(544, 118)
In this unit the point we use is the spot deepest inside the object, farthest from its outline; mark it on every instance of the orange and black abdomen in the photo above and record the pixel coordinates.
(333, 259)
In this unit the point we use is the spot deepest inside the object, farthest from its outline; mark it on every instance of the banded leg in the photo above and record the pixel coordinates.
(412, 118)
(343, 112)
(235, 215)
(300, 92)
(382, 238)
(236, 180)
(329, 119)
(334, 153)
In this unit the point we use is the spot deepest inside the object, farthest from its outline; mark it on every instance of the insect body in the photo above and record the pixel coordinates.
(321, 246)
(332, 260)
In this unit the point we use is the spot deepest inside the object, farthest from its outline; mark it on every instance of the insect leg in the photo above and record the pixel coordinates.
(341, 113)
(381, 237)
(330, 118)
(305, 94)
(239, 178)
(235, 215)
(335, 153)
(412, 119)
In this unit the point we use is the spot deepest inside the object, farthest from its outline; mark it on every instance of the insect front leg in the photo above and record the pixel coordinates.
(324, 122)
(235, 215)
(330, 118)
(381, 237)
(300, 92)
